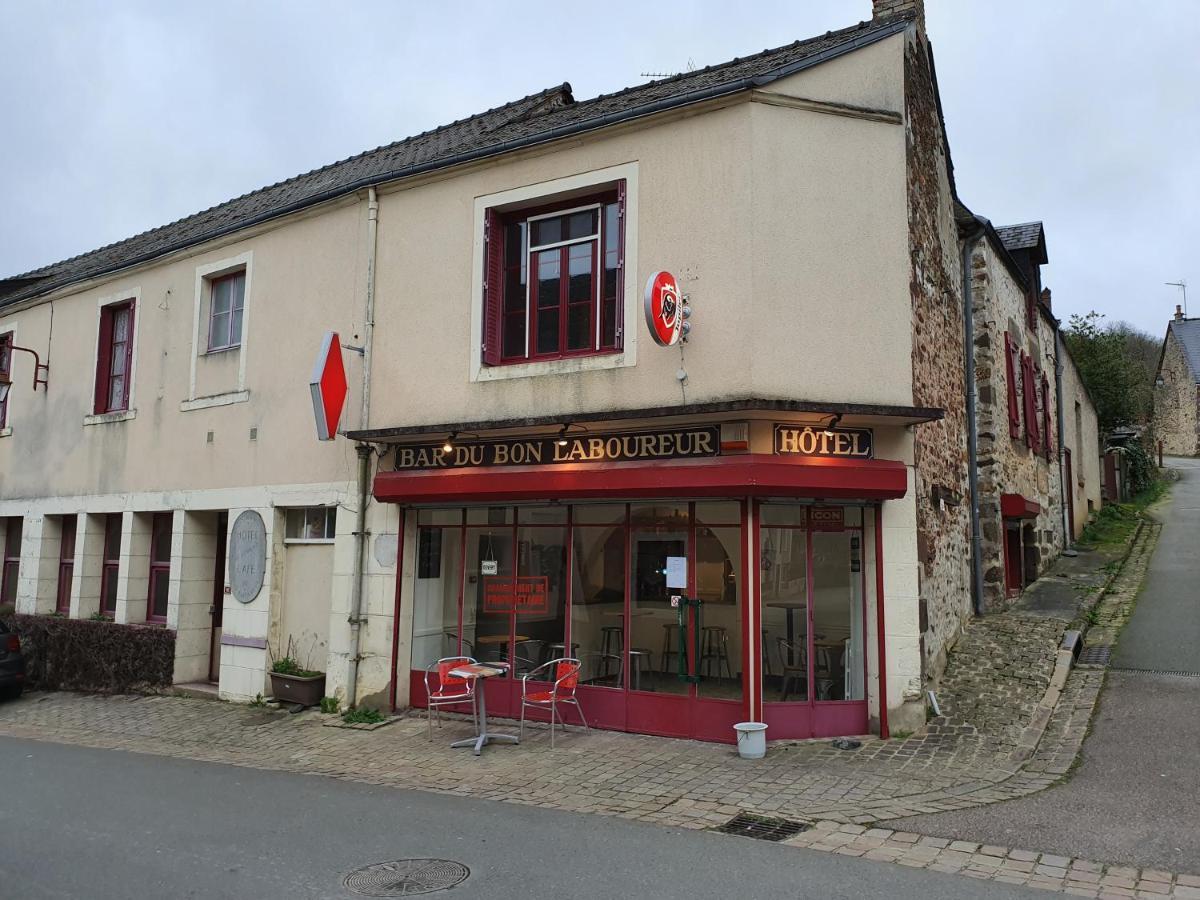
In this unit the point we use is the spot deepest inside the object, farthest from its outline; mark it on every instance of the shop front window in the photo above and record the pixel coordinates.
(436, 590)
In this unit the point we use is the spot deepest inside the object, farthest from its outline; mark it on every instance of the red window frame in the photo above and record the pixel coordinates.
(111, 564)
(1014, 404)
(6, 342)
(12, 561)
(160, 564)
(114, 354)
(224, 338)
(1029, 390)
(504, 269)
(66, 565)
(1047, 431)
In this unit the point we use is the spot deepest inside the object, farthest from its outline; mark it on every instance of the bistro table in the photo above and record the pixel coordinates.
(475, 672)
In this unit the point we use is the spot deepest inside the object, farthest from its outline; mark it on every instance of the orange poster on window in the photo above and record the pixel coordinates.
(525, 594)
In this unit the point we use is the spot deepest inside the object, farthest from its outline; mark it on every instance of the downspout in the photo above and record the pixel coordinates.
(981, 225)
(364, 457)
(1059, 348)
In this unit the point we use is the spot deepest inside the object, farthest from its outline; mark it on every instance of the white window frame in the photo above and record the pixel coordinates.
(204, 277)
(120, 415)
(546, 190)
(288, 511)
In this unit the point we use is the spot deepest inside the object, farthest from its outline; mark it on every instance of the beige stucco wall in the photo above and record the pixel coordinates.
(306, 278)
(784, 225)
(1081, 435)
(1177, 402)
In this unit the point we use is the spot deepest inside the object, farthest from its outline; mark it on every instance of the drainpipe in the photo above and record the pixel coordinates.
(364, 457)
(972, 420)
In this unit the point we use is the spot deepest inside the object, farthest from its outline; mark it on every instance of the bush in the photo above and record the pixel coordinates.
(86, 655)
(289, 666)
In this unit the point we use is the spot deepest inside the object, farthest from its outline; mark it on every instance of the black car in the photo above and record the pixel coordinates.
(12, 663)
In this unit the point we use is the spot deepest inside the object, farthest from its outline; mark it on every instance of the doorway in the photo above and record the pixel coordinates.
(813, 589)
(216, 610)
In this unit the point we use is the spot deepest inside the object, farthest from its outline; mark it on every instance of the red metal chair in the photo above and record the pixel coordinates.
(450, 690)
(566, 679)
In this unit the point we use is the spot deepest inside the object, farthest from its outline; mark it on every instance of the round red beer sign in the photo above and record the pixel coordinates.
(664, 308)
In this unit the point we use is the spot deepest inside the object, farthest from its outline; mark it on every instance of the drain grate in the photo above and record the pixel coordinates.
(1179, 673)
(1094, 656)
(762, 827)
(406, 877)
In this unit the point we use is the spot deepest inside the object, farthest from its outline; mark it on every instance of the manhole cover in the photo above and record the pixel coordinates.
(762, 827)
(406, 877)
(1094, 656)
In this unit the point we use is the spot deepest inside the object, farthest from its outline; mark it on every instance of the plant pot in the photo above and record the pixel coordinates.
(294, 689)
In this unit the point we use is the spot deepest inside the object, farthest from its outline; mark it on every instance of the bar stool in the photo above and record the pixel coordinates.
(670, 647)
(612, 642)
(553, 651)
(715, 650)
(641, 659)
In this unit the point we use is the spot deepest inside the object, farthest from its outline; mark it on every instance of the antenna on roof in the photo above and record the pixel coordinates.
(1182, 285)
(691, 67)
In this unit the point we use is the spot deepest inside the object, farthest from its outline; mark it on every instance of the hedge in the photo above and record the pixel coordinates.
(94, 655)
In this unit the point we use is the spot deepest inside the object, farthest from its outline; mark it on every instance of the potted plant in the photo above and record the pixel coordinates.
(294, 683)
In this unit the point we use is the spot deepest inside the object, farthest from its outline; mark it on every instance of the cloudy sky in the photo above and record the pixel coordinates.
(120, 116)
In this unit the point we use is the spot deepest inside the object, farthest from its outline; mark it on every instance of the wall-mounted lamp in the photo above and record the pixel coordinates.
(448, 447)
(561, 440)
(832, 424)
(41, 372)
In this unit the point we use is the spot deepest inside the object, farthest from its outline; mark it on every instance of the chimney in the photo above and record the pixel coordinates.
(887, 9)
(1178, 313)
(1046, 298)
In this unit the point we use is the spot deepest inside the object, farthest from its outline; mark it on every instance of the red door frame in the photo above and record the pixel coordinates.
(827, 718)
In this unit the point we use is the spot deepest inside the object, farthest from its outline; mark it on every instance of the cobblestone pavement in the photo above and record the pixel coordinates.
(954, 765)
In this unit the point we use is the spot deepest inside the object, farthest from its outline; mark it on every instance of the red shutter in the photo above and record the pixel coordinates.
(621, 265)
(1014, 409)
(493, 287)
(1029, 392)
(103, 360)
(1047, 431)
(129, 358)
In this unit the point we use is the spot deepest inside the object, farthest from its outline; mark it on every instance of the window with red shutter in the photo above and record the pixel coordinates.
(1047, 430)
(1029, 394)
(1014, 404)
(553, 279)
(6, 342)
(114, 358)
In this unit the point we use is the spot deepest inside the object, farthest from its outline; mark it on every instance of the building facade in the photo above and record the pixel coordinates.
(769, 519)
(1177, 388)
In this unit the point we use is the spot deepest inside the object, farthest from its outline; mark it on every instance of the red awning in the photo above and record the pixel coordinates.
(1014, 506)
(759, 475)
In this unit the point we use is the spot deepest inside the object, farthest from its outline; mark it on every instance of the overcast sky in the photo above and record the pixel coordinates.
(121, 116)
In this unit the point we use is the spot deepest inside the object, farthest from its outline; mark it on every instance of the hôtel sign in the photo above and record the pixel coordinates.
(806, 440)
(675, 443)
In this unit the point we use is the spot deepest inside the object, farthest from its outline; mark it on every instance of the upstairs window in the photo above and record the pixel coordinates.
(553, 280)
(6, 342)
(227, 303)
(114, 359)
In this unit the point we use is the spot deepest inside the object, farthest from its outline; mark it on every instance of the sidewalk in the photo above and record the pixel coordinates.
(956, 764)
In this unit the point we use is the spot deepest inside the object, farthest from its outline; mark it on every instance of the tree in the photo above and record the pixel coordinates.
(1116, 363)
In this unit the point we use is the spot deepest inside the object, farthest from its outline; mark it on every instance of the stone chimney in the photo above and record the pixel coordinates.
(1178, 313)
(886, 9)
(1046, 298)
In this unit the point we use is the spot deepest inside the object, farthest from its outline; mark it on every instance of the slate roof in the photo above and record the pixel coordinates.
(545, 116)
(1020, 237)
(1187, 332)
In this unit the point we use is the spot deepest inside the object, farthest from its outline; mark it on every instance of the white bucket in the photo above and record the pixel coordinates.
(751, 739)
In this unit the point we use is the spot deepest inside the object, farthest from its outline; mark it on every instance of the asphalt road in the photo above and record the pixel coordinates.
(78, 822)
(1136, 797)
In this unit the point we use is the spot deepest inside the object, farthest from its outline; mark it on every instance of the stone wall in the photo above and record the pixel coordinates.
(1177, 403)
(941, 489)
(1008, 465)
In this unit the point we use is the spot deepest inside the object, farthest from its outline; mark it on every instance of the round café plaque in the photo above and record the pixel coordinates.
(247, 556)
